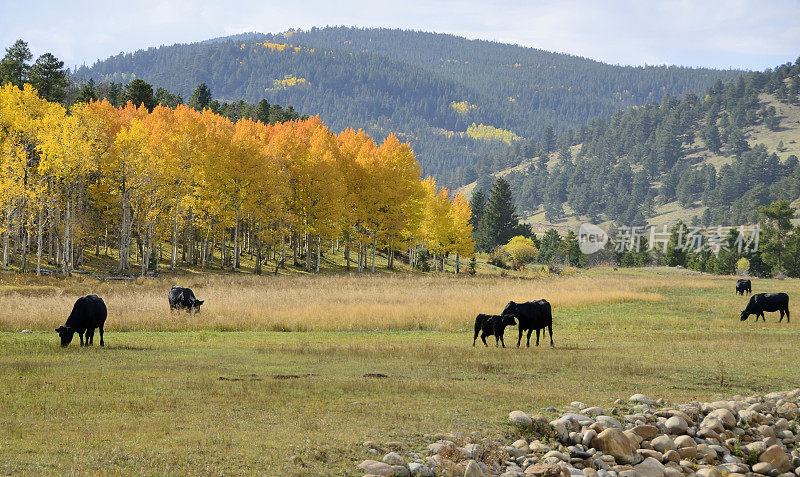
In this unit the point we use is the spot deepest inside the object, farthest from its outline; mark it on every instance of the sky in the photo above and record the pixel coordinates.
(747, 34)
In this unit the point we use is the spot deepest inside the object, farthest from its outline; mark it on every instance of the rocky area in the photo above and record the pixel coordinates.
(744, 436)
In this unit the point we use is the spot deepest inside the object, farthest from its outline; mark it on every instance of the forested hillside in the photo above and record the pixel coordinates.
(710, 159)
(456, 100)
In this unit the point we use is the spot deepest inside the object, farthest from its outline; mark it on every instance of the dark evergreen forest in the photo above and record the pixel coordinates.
(385, 80)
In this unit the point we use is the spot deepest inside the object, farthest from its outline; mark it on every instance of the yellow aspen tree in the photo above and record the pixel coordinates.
(460, 215)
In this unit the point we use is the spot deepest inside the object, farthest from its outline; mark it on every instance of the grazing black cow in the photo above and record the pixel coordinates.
(88, 313)
(743, 285)
(180, 298)
(532, 315)
(761, 302)
(488, 325)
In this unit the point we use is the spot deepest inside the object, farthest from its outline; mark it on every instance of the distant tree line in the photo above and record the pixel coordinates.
(55, 84)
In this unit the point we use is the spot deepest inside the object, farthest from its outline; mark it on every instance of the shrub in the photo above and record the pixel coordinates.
(521, 249)
(498, 257)
(743, 266)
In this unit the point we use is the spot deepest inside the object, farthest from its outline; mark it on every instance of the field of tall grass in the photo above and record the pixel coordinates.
(306, 303)
(180, 394)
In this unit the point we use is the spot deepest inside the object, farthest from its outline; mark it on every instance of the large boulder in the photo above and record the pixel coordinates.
(616, 444)
(777, 458)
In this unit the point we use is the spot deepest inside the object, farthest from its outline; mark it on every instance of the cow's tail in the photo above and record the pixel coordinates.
(477, 326)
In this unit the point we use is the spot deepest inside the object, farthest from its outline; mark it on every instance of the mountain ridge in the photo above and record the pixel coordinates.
(412, 83)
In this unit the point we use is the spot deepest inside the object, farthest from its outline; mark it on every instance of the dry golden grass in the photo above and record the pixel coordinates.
(322, 303)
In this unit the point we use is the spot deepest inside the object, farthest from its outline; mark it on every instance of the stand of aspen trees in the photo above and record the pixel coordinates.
(208, 190)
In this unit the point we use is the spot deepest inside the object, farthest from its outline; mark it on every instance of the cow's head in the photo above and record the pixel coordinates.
(744, 315)
(196, 305)
(510, 309)
(66, 333)
(508, 320)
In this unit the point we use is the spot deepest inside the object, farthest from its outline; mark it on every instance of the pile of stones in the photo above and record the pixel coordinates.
(745, 436)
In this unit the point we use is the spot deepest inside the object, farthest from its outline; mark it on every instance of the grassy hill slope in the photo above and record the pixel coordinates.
(783, 142)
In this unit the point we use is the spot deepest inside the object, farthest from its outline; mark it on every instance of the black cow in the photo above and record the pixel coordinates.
(180, 298)
(489, 325)
(532, 315)
(761, 302)
(743, 285)
(88, 313)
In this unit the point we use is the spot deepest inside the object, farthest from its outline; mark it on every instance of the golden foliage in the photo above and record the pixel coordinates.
(485, 132)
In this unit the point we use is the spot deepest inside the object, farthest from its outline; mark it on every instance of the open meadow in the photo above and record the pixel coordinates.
(276, 367)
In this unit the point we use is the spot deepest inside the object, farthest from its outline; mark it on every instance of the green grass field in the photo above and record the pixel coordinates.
(204, 401)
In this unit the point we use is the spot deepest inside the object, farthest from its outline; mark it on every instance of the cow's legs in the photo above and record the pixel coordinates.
(497, 341)
(787, 314)
(80, 335)
(781, 318)
(529, 337)
(502, 341)
(537, 336)
(483, 338)
(550, 330)
(89, 336)
(475, 338)
(519, 340)
(101, 336)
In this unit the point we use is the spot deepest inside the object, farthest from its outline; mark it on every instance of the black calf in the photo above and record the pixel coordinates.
(488, 325)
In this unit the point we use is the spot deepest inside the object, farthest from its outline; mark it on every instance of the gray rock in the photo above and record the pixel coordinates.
(520, 418)
(608, 421)
(393, 458)
(473, 470)
(676, 425)
(401, 471)
(641, 398)
(376, 468)
(521, 445)
(544, 470)
(650, 468)
(724, 415)
(419, 469)
(663, 443)
(588, 436)
(762, 468)
(472, 451)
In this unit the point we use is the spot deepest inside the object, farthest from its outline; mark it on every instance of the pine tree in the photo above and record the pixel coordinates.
(140, 93)
(476, 205)
(49, 77)
(499, 221)
(201, 97)
(88, 93)
(14, 66)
